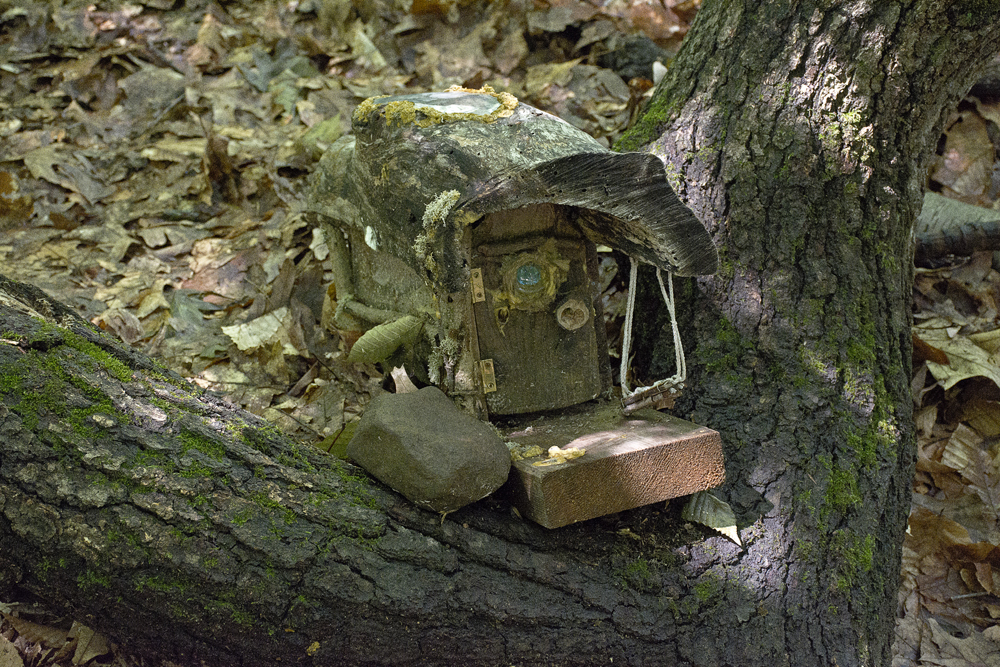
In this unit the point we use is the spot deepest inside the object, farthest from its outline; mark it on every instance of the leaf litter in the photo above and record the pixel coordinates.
(949, 599)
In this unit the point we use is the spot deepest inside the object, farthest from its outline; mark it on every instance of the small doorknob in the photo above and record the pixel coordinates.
(572, 314)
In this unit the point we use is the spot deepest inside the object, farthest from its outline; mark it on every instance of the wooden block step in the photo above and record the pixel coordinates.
(630, 461)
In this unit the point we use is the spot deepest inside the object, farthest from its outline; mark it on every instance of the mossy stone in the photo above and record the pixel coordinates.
(422, 446)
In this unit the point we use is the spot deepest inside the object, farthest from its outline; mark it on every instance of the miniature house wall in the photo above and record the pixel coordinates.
(527, 324)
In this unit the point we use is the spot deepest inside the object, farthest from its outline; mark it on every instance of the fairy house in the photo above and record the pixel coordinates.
(467, 224)
(463, 227)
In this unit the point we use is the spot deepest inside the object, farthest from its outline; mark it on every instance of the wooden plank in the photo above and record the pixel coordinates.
(630, 461)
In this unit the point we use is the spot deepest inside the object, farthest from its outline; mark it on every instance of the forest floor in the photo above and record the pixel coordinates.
(154, 171)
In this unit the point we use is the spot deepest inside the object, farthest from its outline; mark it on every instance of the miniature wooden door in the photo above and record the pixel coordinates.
(537, 317)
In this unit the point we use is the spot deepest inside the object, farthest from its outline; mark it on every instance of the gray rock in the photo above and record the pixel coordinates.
(425, 448)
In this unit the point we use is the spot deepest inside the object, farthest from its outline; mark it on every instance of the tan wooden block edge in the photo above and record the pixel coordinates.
(630, 461)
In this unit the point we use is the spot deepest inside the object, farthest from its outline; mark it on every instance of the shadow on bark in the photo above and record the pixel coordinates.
(187, 529)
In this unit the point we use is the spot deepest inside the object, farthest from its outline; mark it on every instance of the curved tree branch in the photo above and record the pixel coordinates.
(185, 528)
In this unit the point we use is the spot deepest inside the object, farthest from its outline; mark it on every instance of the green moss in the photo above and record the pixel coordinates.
(151, 457)
(852, 118)
(673, 176)
(28, 407)
(806, 549)
(191, 440)
(242, 516)
(854, 555)
(59, 389)
(196, 469)
(111, 364)
(637, 574)
(265, 500)
(158, 583)
(722, 355)
(88, 580)
(10, 382)
(860, 353)
(708, 588)
(181, 614)
(45, 566)
(239, 616)
(842, 490)
(646, 129)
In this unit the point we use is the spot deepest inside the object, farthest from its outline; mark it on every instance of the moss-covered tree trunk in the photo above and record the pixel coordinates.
(800, 133)
(184, 528)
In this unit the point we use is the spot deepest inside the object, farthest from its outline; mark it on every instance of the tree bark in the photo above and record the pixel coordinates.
(800, 132)
(184, 528)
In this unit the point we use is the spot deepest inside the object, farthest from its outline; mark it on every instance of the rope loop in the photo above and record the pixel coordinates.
(667, 291)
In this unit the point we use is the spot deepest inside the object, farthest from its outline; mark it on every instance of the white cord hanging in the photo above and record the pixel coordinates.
(667, 291)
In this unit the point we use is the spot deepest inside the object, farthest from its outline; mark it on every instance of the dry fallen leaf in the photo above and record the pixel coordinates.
(968, 157)
(9, 657)
(966, 358)
(706, 509)
(89, 644)
(45, 635)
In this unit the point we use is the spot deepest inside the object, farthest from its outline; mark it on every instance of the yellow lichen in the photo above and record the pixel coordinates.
(405, 112)
(519, 452)
(558, 456)
(366, 108)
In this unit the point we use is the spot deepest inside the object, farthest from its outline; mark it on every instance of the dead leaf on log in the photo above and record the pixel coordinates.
(45, 635)
(9, 657)
(89, 644)
(706, 509)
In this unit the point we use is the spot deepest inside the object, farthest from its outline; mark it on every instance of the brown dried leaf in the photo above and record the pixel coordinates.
(122, 322)
(89, 644)
(925, 418)
(9, 657)
(968, 156)
(45, 635)
(988, 340)
(931, 532)
(510, 52)
(941, 648)
(966, 454)
(983, 416)
(926, 352)
(15, 208)
(966, 358)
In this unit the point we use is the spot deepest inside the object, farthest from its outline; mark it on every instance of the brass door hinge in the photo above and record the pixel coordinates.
(476, 282)
(489, 376)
